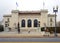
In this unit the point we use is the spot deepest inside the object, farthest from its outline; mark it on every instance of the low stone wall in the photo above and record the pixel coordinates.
(27, 30)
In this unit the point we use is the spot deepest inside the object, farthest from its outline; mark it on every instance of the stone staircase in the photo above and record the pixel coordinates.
(25, 31)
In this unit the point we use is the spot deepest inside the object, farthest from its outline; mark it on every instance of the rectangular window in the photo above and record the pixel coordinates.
(51, 24)
(8, 19)
(51, 20)
(6, 25)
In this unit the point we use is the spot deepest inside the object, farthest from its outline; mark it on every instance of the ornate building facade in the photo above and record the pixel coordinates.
(28, 20)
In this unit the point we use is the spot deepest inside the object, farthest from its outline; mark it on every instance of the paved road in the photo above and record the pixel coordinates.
(29, 39)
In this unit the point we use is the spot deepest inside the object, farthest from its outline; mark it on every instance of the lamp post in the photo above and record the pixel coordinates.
(18, 28)
(18, 25)
(55, 9)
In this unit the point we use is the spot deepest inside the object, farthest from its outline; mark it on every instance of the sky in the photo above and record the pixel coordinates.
(6, 6)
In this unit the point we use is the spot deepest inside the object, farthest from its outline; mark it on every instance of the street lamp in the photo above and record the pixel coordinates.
(18, 28)
(18, 25)
(55, 9)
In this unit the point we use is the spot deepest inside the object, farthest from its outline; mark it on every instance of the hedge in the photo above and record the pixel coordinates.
(52, 29)
(1, 28)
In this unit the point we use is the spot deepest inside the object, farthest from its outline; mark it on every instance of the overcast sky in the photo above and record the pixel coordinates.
(7, 5)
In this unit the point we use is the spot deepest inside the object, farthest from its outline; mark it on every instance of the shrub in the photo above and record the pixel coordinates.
(52, 29)
(1, 28)
(42, 29)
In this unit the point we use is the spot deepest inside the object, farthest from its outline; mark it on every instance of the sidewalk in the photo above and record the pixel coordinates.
(20, 35)
(16, 35)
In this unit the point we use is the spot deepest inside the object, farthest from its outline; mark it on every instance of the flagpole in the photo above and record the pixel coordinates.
(43, 4)
(16, 5)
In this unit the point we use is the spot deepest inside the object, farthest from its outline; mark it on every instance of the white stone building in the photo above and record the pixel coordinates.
(28, 20)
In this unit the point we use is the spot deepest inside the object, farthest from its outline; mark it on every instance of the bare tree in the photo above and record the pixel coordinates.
(58, 24)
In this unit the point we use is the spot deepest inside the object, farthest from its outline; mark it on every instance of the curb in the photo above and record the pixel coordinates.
(25, 36)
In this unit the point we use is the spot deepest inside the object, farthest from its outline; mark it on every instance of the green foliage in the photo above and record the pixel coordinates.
(42, 29)
(52, 29)
(1, 28)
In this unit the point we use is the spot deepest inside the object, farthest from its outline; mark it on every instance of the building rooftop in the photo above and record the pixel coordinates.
(38, 11)
(51, 15)
(7, 16)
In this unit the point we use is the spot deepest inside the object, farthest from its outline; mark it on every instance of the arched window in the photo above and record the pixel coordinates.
(35, 23)
(29, 23)
(23, 23)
